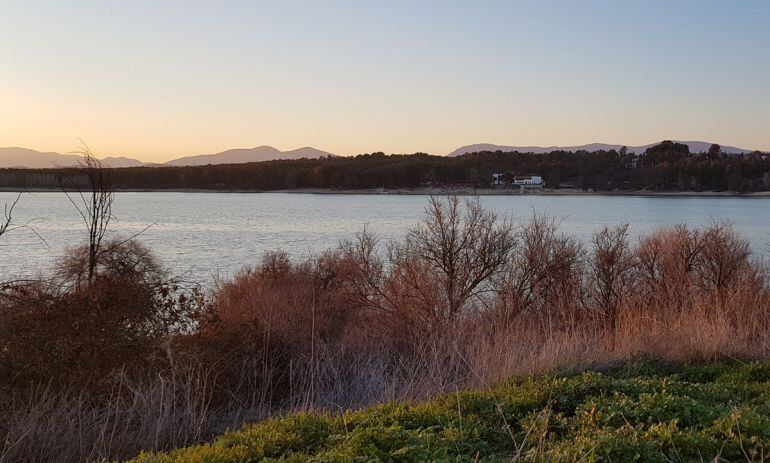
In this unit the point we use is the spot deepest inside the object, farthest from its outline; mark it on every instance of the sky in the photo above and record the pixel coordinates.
(161, 79)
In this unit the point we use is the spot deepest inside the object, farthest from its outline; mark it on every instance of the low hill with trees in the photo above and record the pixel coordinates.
(668, 166)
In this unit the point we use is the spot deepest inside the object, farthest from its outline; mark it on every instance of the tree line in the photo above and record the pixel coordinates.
(668, 166)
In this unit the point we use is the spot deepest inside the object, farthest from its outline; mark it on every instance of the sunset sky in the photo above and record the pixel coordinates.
(161, 79)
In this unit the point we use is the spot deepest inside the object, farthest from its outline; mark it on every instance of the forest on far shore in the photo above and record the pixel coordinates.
(668, 166)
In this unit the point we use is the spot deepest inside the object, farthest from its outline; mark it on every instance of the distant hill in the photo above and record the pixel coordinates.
(122, 162)
(695, 147)
(238, 156)
(27, 158)
(22, 157)
(31, 159)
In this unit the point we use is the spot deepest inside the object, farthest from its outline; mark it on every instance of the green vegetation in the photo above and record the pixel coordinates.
(642, 412)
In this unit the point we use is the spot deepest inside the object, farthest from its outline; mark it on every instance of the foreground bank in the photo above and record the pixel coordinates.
(99, 366)
(640, 412)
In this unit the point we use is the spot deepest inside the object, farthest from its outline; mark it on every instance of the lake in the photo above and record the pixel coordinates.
(202, 236)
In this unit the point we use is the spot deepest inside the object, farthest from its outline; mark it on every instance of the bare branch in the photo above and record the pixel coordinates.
(95, 205)
(7, 220)
(5, 224)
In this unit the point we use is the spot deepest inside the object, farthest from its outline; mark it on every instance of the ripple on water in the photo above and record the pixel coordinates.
(202, 235)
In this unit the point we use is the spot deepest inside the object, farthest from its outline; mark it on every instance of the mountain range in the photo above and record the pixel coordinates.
(238, 156)
(695, 147)
(27, 158)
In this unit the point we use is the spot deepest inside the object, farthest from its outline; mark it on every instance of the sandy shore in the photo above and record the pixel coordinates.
(530, 192)
(441, 191)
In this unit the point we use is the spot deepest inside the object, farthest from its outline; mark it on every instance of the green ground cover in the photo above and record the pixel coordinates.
(640, 412)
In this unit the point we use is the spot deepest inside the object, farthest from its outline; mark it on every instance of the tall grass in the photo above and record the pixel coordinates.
(464, 301)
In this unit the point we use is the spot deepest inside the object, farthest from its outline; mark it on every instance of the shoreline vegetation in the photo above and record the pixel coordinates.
(432, 191)
(108, 356)
(665, 169)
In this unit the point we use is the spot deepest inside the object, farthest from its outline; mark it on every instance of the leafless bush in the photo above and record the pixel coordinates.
(542, 276)
(441, 273)
(724, 257)
(458, 251)
(60, 329)
(611, 278)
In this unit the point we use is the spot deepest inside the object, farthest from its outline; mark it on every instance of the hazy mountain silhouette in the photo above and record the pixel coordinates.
(695, 147)
(238, 156)
(23, 157)
(122, 161)
(27, 158)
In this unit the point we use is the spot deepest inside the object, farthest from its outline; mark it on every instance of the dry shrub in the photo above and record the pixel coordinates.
(466, 299)
(272, 322)
(442, 273)
(543, 275)
(611, 273)
(698, 296)
(451, 256)
(69, 329)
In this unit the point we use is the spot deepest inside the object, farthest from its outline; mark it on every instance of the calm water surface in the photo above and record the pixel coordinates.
(205, 235)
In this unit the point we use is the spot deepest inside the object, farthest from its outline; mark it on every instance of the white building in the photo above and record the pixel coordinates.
(532, 180)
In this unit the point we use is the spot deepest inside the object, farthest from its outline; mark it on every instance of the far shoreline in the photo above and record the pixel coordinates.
(434, 191)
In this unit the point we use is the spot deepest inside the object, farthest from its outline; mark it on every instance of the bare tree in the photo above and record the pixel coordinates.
(457, 251)
(94, 204)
